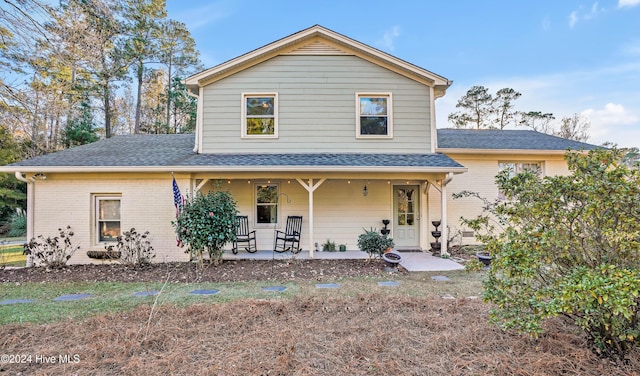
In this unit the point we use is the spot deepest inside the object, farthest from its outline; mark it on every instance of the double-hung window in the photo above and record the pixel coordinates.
(260, 115)
(266, 203)
(374, 115)
(515, 168)
(518, 167)
(107, 218)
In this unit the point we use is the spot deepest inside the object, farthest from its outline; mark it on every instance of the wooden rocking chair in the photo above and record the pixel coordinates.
(289, 239)
(244, 236)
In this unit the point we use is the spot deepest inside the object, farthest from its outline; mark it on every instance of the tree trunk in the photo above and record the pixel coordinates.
(168, 122)
(107, 110)
(140, 71)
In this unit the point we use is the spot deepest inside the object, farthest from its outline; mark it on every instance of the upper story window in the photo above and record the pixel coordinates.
(107, 218)
(260, 115)
(374, 115)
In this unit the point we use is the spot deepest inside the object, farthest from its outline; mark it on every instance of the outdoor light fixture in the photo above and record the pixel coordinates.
(365, 192)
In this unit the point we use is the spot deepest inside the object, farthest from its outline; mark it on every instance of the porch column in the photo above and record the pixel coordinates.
(443, 218)
(311, 187)
(424, 215)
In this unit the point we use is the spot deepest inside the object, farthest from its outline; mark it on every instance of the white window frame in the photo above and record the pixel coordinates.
(97, 198)
(518, 167)
(246, 96)
(255, 205)
(389, 98)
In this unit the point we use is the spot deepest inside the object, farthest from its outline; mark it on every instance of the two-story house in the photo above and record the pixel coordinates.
(315, 124)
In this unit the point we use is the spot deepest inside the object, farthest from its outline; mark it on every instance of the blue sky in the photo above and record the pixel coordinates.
(565, 57)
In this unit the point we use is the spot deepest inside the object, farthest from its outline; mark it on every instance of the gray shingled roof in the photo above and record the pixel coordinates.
(176, 151)
(133, 150)
(508, 139)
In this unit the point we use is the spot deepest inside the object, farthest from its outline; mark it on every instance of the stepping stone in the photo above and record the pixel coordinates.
(16, 301)
(440, 278)
(146, 293)
(71, 297)
(448, 296)
(204, 292)
(327, 285)
(274, 288)
(389, 283)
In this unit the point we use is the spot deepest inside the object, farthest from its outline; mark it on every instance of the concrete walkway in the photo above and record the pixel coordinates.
(412, 261)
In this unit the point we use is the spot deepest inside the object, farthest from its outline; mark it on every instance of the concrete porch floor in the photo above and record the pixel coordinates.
(412, 261)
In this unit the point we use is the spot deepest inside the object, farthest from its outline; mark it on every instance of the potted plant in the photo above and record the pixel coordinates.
(484, 257)
(329, 246)
(374, 243)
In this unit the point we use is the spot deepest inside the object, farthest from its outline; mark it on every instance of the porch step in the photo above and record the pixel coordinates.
(408, 250)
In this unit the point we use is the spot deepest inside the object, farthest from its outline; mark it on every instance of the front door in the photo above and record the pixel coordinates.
(406, 210)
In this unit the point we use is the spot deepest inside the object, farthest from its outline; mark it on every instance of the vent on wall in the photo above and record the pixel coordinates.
(317, 48)
(467, 234)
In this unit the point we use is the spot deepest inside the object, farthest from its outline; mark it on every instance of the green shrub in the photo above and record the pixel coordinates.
(329, 246)
(473, 265)
(207, 223)
(374, 243)
(18, 224)
(570, 247)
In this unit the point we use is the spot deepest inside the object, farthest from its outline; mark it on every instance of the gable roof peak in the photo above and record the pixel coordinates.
(337, 41)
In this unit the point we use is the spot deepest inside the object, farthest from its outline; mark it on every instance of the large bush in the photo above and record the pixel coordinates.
(570, 247)
(207, 223)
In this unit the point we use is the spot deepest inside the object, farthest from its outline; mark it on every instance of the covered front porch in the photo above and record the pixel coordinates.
(336, 207)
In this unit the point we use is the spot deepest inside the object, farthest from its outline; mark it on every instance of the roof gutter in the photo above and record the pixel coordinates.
(449, 151)
(190, 169)
(20, 177)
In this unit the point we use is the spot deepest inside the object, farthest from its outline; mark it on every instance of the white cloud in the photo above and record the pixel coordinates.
(573, 19)
(628, 3)
(611, 114)
(610, 122)
(199, 17)
(546, 23)
(585, 15)
(389, 37)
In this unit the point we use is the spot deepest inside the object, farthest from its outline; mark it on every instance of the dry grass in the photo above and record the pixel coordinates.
(367, 334)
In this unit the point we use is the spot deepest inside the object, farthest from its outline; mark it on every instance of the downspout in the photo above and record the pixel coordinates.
(198, 97)
(443, 215)
(30, 204)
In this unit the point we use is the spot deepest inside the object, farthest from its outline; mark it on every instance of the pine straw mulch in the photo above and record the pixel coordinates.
(318, 335)
(227, 271)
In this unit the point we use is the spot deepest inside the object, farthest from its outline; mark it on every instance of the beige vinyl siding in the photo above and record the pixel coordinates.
(316, 96)
(480, 178)
(146, 204)
(340, 210)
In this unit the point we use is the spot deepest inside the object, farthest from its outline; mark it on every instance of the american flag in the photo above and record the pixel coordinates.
(177, 197)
